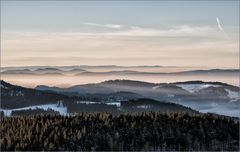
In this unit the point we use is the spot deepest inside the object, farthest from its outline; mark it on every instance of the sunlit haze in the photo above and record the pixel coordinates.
(120, 33)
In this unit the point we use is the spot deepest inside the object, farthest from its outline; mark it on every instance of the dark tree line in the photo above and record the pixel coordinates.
(28, 112)
(17, 97)
(104, 131)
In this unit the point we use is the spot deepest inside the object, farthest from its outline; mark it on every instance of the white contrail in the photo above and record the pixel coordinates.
(220, 27)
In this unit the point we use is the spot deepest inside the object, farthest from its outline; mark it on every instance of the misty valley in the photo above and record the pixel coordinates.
(112, 96)
(79, 117)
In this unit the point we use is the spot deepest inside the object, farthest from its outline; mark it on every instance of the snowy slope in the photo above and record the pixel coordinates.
(195, 87)
(56, 107)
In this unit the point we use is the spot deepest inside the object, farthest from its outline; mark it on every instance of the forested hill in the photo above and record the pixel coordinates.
(13, 96)
(150, 105)
(105, 132)
(17, 100)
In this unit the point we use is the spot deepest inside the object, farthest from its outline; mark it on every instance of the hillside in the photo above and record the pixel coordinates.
(13, 96)
(216, 97)
(106, 132)
(18, 100)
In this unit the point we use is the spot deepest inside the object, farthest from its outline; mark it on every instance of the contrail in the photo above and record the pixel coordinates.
(220, 26)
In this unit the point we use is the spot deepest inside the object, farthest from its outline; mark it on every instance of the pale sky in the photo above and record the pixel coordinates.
(125, 33)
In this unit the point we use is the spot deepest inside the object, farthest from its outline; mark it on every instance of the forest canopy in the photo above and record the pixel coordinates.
(125, 132)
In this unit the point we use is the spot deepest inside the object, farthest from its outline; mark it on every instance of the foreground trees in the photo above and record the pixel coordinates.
(104, 131)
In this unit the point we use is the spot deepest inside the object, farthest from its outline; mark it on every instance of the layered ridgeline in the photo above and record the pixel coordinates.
(115, 70)
(215, 97)
(57, 75)
(16, 100)
(106, 132)
(119, 115)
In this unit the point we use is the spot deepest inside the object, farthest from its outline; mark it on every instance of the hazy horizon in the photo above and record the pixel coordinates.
(75, 75)
(120, 33)
(106, 65)
(127, 33)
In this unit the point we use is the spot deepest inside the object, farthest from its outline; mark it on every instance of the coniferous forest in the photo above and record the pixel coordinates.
(107, 132)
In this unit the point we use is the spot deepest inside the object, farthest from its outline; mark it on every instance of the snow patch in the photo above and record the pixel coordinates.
(4, 87)
(195, 87)
(118, 104)
(7, 113)
(56, 107)
(156, 87)
(144, 106)
(171, 95)
(233, 95)
(19, 93)
(87, 102)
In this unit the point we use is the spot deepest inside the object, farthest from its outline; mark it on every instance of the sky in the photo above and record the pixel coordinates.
(186, 33)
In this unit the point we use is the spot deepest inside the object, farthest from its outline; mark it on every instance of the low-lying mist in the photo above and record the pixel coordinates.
(68, 80)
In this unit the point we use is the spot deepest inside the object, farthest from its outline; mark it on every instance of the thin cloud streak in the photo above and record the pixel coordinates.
(123, 30)
(113, 26)
(133, 31)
